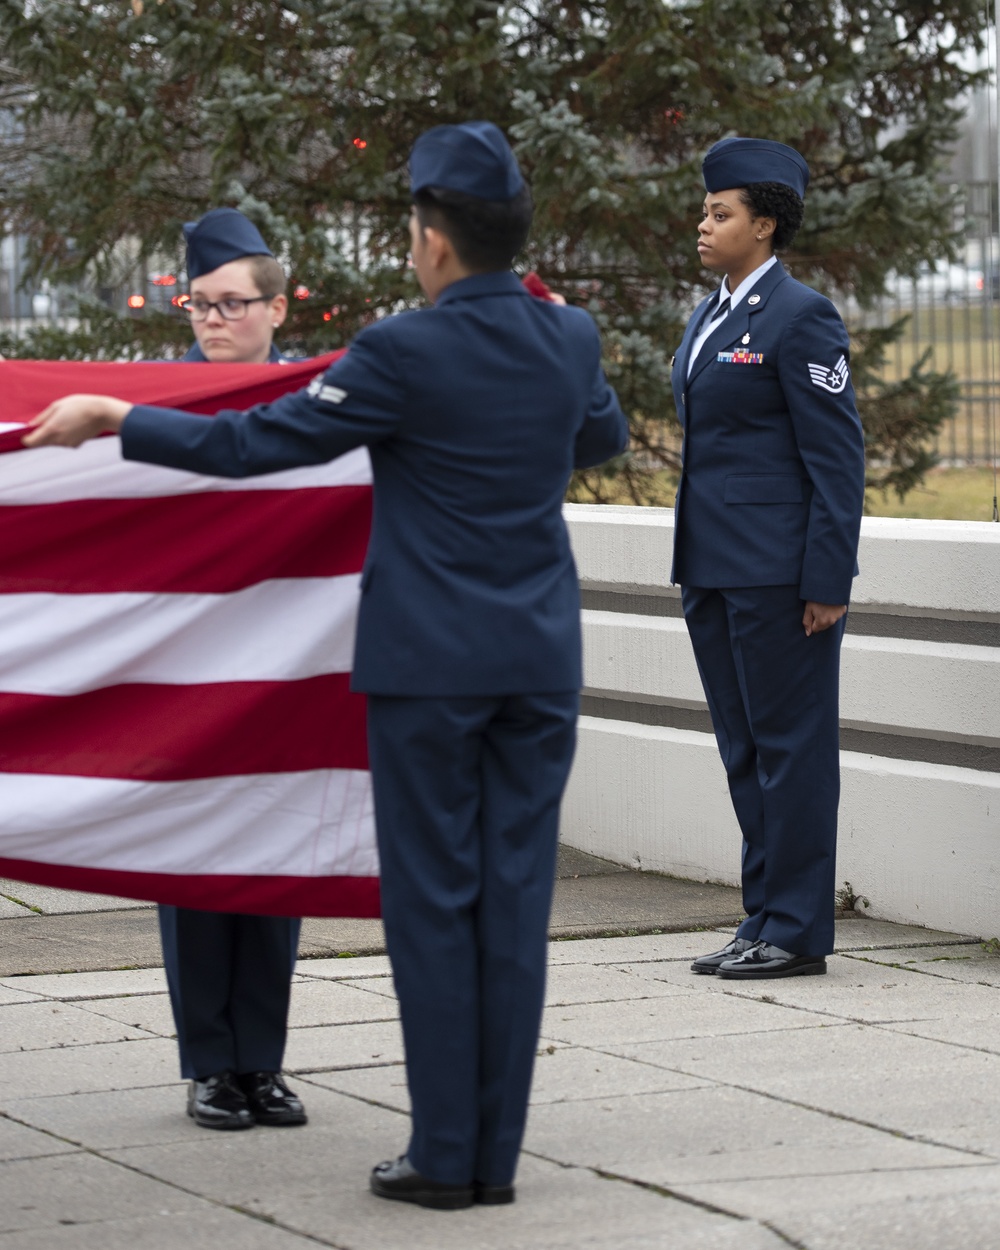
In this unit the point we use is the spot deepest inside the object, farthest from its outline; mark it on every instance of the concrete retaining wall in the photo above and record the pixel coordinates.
(920, 719)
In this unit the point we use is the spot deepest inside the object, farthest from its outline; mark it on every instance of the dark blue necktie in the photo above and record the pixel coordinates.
(721, 311)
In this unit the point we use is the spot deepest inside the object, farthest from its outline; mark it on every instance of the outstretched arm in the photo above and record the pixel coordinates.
(74, 419)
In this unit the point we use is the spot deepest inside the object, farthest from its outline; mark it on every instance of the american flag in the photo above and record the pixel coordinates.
(175, 651)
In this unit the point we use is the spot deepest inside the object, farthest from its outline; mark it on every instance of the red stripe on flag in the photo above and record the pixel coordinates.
(146, 732)
(29, 386)
(212, 543)
(264, 896)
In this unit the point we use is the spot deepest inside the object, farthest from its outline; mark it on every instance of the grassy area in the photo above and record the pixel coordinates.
(947, 495)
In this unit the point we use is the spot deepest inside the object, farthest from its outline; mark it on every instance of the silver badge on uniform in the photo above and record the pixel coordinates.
(833, 380)
(745, 339)
(754, 299)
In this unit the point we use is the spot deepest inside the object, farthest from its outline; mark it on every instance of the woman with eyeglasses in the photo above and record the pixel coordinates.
(230, 975)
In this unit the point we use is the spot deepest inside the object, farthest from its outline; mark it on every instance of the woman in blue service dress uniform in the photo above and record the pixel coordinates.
(230, 975)
(768, 515)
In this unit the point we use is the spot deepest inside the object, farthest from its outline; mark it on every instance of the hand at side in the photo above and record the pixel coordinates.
(820, 616)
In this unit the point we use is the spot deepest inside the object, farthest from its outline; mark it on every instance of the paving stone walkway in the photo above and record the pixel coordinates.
(670, 1112)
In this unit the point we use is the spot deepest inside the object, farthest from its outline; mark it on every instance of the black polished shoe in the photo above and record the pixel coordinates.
(763, 961)
(710, 963)
(218, 1102)
(492, 1195)
(400, 1180)
(270, 1100)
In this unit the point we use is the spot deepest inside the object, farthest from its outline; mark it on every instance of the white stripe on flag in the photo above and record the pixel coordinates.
(280, 630)
(97, 471)
(309, 824)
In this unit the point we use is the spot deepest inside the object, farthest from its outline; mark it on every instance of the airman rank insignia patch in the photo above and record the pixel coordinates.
(833, 380)
(740, 357)
(326, 394)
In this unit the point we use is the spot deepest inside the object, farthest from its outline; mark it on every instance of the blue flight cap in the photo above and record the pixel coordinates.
(473, 157)
(222, 235)
(738, 162)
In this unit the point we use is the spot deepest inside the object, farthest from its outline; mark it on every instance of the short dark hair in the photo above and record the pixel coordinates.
(774, 199)
(486, 234)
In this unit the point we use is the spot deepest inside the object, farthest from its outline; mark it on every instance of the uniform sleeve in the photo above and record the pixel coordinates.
(814, 371)
(604, 432)
(358, 400)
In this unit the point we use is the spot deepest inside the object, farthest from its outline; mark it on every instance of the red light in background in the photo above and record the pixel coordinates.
(164, 279)
(136, 301)
(328, 316)
(360, 144)
(179, 301)
(301, 292)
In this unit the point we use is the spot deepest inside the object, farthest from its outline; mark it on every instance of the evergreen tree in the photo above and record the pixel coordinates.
(125, 119)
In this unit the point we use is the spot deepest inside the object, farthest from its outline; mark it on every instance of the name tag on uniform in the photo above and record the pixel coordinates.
(740, 358)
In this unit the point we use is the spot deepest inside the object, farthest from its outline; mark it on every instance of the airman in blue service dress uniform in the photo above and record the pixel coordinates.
(230, 975)
(475, 412)
(768, 514)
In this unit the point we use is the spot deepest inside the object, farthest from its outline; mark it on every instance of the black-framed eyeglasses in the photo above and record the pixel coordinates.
(230, 309)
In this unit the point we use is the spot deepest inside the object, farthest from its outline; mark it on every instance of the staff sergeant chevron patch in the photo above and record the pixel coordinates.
(833, 380)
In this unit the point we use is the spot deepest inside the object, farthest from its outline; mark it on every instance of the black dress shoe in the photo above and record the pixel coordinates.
(710, 963)
(270, 1100)
(399, 1179)
(492, 1195)
(762, 962)
(216, 1101)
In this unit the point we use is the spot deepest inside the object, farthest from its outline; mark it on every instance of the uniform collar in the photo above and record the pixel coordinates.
(194, 353)
(749, 283)
(756, 290)
(499, 282)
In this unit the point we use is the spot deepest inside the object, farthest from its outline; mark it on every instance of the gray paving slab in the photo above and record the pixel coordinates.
(969, 963)
(70, 1070)
(10, 995)
(633, 902)
(831, 1115)
(643, 948)
(51, 902)
(207, 1225)
(687, 1013)
(43, 1025)
(79, 942)
(729, 1134)
(863, 933)
(562, 1074)
(110, 1119)
(856, 989)
(558, 1208)
(80, 1188)
(20, 1141)
(979, 1033)
(11, 909)
(332, 1002)
(930, 1209)
(345, 969)
(582, 983)
(903, 1084)
(326, 1047)
(149, 1012)
(93, 984)
(374, 985)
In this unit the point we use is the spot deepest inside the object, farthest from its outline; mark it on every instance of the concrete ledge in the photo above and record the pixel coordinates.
(920, 708)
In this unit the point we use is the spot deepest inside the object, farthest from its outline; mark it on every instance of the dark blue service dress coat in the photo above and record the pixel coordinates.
(229, 975)
(768, 515)
(475, 412)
